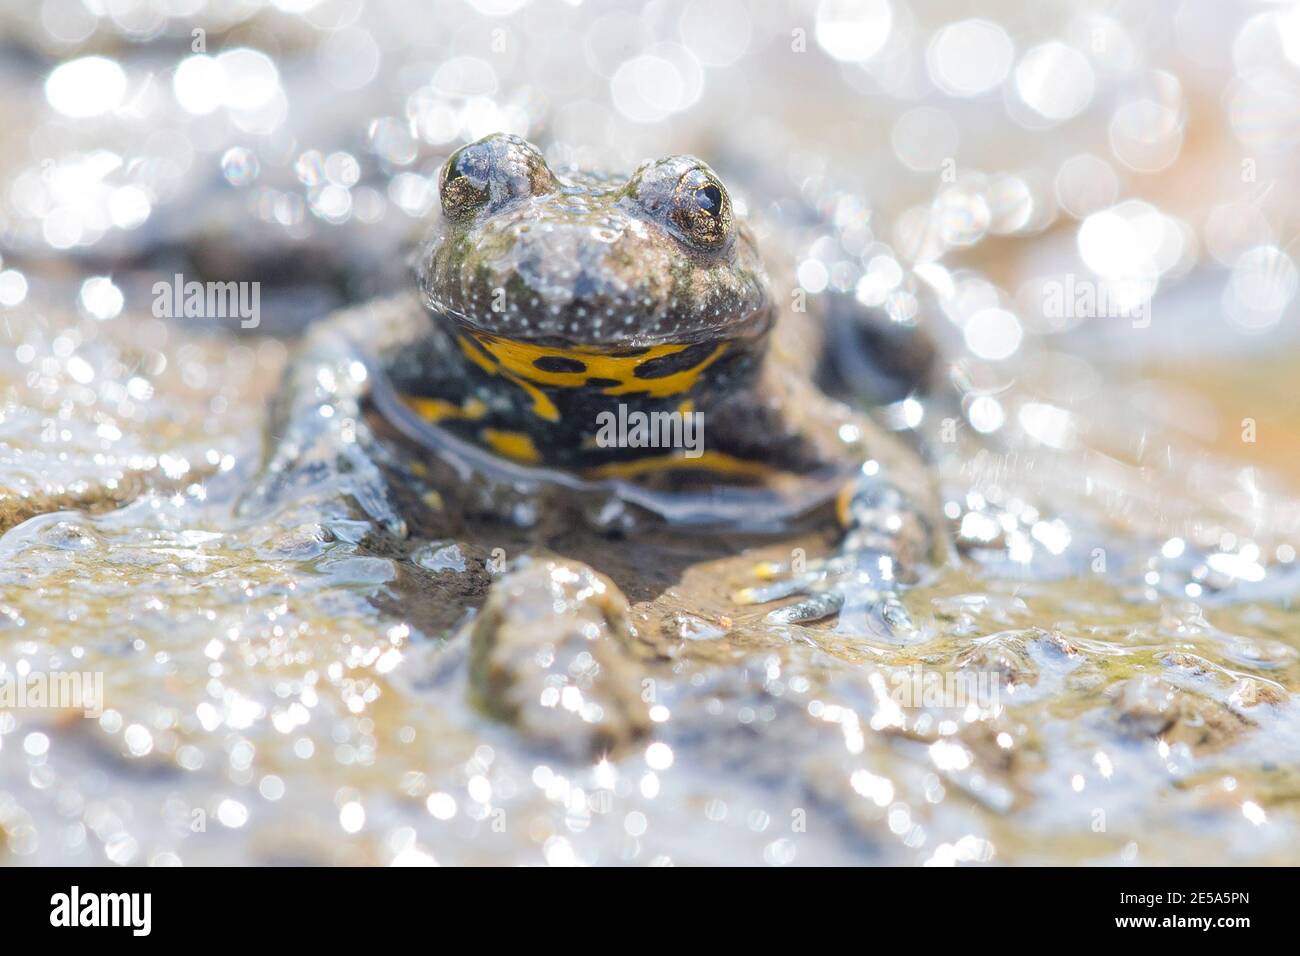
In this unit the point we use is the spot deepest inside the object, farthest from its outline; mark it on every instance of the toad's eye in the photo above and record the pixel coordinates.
(702, 210)
(491, 173)
(709, 199)
(463, 186)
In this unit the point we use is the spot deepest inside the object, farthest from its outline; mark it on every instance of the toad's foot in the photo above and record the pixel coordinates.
(888, 539)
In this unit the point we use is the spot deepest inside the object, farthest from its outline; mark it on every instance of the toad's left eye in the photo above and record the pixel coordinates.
(702, 210)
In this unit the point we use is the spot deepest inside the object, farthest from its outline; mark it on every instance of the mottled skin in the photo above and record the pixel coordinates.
(551, 300)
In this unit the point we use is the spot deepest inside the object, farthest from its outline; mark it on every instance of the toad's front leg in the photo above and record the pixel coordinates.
(889, 538)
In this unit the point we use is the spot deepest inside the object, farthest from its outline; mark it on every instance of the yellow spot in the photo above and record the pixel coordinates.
(709, 461)
(514, 445)
(543, 407)
(437, 409)
(476, 356)
(842, 502)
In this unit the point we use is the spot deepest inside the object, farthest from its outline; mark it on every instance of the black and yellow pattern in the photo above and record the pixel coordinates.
(658, 371)
(540, 404)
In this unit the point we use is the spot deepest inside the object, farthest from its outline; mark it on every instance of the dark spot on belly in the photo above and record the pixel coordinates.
(558, 363)
(603, 382)
(677, 362)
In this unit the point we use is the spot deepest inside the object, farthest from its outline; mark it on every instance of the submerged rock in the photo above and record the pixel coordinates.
(1005, 655)
(551, 655)
(1011, 654)
(1147, 706)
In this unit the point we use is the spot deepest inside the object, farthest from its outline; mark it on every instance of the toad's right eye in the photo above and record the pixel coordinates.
(463, 185)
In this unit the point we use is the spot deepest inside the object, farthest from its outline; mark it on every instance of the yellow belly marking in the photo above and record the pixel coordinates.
(518, 362)
(543, 407)
(513, 445)
(438, 410)
(708, 461)
(842, 502)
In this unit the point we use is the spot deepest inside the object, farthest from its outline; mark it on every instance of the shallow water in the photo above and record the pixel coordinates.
(286, 661)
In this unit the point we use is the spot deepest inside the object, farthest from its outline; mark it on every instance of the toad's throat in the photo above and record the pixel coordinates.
(653, 372)
(539, 403)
